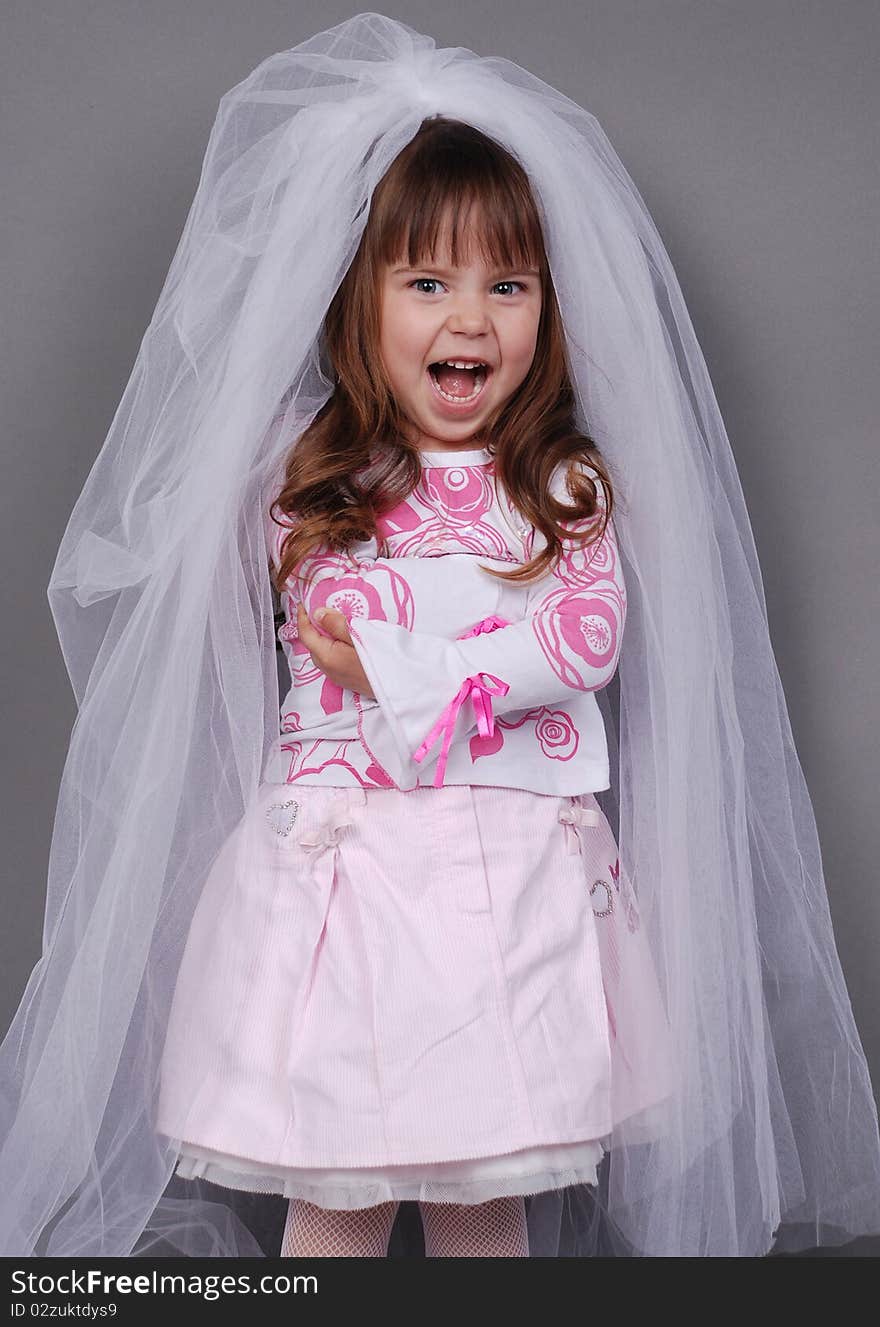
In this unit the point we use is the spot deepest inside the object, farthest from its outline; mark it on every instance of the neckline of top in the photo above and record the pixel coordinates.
(476, 456)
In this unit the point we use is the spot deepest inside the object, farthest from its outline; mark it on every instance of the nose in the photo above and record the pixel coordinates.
(469, 314)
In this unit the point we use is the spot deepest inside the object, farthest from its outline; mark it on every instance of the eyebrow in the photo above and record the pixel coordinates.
(445, 271)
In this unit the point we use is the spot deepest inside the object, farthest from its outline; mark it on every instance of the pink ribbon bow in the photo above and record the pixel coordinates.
(573, 815)
(491, 623)
(481, 694)
(339, 817)
(326, 835)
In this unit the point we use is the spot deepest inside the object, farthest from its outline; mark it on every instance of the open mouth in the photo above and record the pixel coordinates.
(457, 382)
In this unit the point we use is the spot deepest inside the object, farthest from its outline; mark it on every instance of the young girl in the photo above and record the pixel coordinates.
(412, 928)
(519, 913)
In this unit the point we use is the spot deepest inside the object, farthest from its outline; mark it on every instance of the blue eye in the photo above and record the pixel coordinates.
(431, 280)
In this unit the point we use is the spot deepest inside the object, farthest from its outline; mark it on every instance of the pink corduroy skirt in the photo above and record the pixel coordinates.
(442, 994)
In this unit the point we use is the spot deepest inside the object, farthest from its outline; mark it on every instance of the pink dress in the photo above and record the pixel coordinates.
(400, 982)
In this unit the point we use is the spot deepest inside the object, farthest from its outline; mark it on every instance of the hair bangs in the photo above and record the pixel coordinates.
(458, 196)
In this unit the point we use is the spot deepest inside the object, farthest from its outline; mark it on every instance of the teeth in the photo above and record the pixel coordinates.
(479, 383)
(463, 363)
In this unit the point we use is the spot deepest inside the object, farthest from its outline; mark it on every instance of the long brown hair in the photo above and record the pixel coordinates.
(354, 461)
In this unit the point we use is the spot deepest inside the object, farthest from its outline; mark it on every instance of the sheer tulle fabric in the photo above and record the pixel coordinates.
(163, 606)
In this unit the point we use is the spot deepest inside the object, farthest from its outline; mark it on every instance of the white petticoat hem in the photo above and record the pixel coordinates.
(475, 1180)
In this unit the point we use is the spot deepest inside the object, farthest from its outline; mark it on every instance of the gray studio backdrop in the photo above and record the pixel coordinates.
(750, 128)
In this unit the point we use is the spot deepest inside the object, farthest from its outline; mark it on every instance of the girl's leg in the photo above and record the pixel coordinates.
(494, 1229)
(321, 1232)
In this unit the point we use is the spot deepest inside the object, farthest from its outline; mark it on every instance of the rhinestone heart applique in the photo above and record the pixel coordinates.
(608, 899)
(282, 816)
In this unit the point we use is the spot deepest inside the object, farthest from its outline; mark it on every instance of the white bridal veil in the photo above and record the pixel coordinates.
(163, 605)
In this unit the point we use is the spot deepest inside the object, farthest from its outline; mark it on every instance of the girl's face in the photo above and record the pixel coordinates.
(477, 313)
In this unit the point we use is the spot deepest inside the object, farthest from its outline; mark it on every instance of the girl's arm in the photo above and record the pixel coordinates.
(433, 691)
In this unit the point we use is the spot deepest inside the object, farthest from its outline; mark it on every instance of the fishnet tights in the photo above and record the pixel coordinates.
(494, 1229)
(321, 1232)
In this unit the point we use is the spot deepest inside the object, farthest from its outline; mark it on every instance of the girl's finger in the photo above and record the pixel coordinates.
(308, 633)
(333, 623)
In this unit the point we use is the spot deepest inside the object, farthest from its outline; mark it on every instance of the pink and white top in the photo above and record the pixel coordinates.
(476, 680)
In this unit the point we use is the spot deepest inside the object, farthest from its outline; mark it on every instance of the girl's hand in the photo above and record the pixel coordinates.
(331, 649)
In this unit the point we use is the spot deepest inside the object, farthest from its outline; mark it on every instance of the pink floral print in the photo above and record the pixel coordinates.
(579, 621)
(442, 540)
(556, 734)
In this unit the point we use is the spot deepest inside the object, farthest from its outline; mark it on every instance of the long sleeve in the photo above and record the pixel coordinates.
(432, 691)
